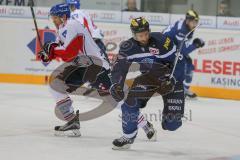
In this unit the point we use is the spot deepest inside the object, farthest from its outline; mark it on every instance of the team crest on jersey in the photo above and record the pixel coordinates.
(153, 50)
(46, 35)
(64, 34)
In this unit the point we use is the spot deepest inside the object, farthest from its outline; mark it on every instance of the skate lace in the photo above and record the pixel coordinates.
(148, 128)
(123, 139)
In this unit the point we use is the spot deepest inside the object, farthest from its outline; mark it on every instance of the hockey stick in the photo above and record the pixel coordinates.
(35, 24)
(180, 49)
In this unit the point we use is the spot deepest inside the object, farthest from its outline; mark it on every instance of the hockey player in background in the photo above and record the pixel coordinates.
(177, 32)
(85, 19)
(155, 53)
(73, 44)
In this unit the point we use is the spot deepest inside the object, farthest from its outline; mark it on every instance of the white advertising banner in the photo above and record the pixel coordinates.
(23, 12)
(125, 17)
(205, 21)
(153, 18)
(176, 17)
(105, 16)
(216, 65)
(208, 22)
(228, 23)
(19, 46)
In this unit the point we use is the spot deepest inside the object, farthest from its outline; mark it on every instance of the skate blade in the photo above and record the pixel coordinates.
(70, 133)
(154, 137)
(191, 98)
(125, 147)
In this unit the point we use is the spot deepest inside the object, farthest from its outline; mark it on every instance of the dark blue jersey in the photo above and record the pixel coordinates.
(160, 49)
(177, 32)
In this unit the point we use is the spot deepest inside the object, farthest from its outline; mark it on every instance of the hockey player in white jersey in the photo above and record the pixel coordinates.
(85, 19)
(74, 43)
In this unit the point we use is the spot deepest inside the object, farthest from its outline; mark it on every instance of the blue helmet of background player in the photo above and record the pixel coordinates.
(75, 3)
(60, 10)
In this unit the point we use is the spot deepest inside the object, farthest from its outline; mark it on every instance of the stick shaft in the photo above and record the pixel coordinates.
(180, 49)
(36, 27)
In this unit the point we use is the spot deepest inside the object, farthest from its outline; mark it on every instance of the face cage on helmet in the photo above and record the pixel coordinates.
(192, 19)
(134, 33)
(61, 18)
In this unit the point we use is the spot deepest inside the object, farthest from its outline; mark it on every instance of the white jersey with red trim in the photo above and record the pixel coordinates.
(77, 41)
(85, 19)
(61, 34)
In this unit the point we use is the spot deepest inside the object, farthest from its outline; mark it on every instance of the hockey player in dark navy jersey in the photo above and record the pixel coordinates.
(155, 53)
(177, 32)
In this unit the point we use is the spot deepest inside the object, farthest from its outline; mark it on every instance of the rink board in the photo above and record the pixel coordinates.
(217, 65)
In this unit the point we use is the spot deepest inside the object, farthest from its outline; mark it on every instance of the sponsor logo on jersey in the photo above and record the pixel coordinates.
(153, 50)
(167, 43)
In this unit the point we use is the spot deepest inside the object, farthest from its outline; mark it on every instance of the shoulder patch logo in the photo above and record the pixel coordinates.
(167, 43)
(126, 45)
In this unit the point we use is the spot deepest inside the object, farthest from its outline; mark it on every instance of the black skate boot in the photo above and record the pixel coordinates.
(150, 132)
(190, 95)
(70, 129)
(122, 143)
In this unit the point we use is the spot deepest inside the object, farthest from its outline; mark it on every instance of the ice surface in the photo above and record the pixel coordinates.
(212, 131)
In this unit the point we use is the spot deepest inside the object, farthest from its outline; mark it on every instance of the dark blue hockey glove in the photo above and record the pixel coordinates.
(168, 85)
(117, 92)
(199, 43)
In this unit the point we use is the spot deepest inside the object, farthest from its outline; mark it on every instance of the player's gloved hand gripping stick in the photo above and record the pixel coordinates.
(170, 81)
(117, 92)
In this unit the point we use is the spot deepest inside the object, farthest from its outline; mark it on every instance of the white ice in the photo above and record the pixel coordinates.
(212, 131)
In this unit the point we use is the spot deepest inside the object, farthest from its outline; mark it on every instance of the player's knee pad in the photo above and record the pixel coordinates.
(171, 125)
(58, 96)
(64, 110)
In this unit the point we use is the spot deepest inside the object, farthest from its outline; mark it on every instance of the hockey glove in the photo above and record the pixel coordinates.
(46, 54)
(168, 85)
(199, 43)
(117, 92)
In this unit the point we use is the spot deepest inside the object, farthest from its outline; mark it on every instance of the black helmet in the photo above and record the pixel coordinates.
(139, 25)
(192, 15)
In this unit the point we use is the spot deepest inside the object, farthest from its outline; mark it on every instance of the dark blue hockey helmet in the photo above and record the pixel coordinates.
(75, 3)
(60, 10)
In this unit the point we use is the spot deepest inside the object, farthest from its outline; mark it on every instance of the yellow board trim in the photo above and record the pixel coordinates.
(216, 92)
(24, 79)
(200, 91)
